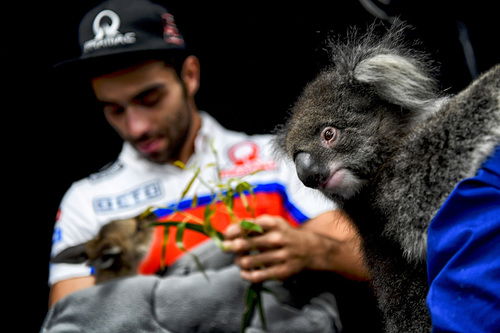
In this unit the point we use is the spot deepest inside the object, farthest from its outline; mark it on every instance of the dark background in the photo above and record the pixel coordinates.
(255, 57)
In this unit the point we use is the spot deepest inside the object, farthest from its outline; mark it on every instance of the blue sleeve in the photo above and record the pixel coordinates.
(464, 256)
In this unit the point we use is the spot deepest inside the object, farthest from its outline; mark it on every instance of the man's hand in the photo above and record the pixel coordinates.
(282, 250)
(276, 254)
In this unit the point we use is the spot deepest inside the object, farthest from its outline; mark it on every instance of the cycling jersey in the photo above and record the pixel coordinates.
(132, 184)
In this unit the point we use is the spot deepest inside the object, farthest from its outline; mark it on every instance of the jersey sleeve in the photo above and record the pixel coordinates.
(75, 224)
(464, 256)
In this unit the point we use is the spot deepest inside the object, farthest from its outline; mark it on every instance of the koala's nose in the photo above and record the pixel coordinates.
(311, 173)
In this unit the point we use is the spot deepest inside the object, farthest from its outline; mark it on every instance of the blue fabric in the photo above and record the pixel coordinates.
(464, 255)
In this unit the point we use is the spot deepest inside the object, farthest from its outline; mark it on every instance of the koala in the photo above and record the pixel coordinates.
(373, 134)
(117, 249)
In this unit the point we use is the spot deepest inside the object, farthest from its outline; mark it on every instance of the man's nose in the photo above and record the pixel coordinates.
(138, 121)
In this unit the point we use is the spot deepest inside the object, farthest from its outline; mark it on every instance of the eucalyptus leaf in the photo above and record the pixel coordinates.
(179, 242)
(207, 215)
(191, 181)
(251, 226)
(164, 242)
(191, 226)
(194, 202)
(243, 186)
(250, 303)
(199, 265)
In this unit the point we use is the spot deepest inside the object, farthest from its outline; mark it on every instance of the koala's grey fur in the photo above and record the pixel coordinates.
(116, 251)
(404, 146)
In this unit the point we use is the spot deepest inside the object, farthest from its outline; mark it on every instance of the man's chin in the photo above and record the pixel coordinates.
(157, 158)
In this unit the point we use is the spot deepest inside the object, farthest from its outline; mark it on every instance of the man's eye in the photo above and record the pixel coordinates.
(112, 109)
(151, 99)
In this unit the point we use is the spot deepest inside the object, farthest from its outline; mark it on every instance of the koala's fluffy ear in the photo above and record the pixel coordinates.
(399, 80)
(107, 258)
(72, 255)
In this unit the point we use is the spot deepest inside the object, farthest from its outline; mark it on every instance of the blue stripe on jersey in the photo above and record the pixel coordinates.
(261, 188)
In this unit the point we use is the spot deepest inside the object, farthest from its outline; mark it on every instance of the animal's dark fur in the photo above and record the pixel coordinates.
(404, 147)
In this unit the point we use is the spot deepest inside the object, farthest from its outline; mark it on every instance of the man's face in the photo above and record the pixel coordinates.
(147, 106)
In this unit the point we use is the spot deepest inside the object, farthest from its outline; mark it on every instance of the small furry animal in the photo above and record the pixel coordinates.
(117, 249)
(372, 133)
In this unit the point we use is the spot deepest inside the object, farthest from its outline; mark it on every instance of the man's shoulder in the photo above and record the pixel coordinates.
(108, 171)
(103, 177)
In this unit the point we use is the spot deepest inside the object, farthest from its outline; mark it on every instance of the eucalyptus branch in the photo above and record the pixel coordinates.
(221, 192)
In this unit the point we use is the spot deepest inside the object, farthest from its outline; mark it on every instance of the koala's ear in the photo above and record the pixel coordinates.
(107, 258)
(399, 80)
(72, 255)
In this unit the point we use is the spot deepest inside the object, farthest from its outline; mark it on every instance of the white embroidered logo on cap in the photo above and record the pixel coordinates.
(106, 34)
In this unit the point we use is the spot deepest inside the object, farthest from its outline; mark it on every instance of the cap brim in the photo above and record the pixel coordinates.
(96, 65)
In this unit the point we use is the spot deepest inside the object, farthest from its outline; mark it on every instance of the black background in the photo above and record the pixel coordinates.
(255, 56)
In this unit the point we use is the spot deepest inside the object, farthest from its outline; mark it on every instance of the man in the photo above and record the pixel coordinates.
(145, 82)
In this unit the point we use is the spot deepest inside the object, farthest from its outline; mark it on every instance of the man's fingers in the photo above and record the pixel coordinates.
(262, 260)
(233, 231)
(269, 222)
(270, 240)
(274, 272)
(236, 245)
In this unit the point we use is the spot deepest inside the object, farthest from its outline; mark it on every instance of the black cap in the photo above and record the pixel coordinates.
(119, 30)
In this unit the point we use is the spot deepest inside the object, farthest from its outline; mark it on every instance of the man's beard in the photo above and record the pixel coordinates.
(176, 139)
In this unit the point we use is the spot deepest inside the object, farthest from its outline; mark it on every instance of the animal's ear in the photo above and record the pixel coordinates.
(399, 80)
(107, 258)
(72, 255)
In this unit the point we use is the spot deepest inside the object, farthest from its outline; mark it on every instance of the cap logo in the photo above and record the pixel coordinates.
(171, 34)
(106, 34)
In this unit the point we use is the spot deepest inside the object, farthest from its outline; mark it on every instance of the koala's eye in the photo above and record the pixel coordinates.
(329, 134)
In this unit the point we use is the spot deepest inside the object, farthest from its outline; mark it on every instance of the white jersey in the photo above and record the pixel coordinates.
(132, 184)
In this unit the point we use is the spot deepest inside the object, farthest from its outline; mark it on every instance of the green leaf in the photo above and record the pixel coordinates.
(250, 302)
(251, 226)
(191, 181)
(191, 226)
(243, 186)
(254, 172)
(207, 215)
(180, 235)
(181, 227)
(228, 199)
(199, 265)
(253, 300)
(164, 242)
(146, 213)
(244, 201)
(262, 315)
(216, 156)
(194, 202)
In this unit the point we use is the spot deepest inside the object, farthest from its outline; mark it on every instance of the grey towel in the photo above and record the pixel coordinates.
(185, 301)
